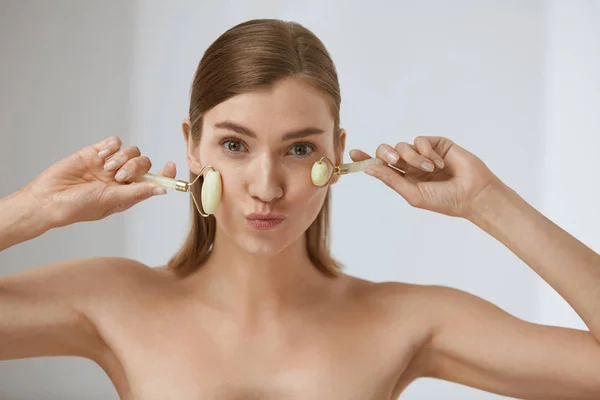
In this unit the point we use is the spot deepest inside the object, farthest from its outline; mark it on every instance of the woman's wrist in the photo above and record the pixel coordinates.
(21, 219)
(491, 204)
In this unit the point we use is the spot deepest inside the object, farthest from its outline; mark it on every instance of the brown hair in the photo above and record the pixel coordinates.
(252, 55)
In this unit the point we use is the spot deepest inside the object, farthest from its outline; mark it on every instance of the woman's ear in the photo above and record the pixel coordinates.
(186, 128)
(191, 147)
(339, 155)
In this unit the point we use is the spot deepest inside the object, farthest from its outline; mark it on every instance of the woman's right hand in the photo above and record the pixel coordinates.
(88, 186)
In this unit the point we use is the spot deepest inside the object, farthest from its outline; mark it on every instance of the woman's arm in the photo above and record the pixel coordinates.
(21, 219)
(47, 311)
(472, 341)
(477, 344)
(39, 313)
(569, 266)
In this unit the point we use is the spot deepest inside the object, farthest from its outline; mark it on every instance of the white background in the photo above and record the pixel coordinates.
(516, 82)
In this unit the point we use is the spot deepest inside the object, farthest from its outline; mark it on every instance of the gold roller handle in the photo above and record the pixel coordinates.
(167, 183)
(211, 190)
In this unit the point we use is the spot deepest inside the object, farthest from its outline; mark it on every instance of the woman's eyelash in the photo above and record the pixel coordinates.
(233, 139)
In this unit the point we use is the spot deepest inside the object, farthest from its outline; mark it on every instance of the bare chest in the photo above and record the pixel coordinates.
(182, 355)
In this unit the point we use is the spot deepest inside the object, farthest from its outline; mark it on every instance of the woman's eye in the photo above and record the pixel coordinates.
(232, 145)
(301, 150)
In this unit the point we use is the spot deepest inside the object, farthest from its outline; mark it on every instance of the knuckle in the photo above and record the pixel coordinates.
(119, 156)
(112, 210)
(145, 160)
(129, 167)
(138, 196)
(414, 200)
(134, 150)
(402, 147)
(141, 195)
(116, 140)
(384, 176)
(406, 150)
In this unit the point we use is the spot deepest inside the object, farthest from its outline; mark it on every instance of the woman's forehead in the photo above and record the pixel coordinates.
(285, 106)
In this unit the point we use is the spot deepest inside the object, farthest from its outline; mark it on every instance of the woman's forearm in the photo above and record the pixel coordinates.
(569, 266)
(20, 220)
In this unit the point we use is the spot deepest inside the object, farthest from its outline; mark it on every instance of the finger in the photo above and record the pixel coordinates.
(118, 159)
(123, 197)
(358, 155)
(413, 158)
(388, 154)
(132, 168)
(169, 171)
(108, 146)
(425, 147)
(409, 191)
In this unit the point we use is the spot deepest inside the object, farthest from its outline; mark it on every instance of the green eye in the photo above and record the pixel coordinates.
(232, 145)
(302, 153)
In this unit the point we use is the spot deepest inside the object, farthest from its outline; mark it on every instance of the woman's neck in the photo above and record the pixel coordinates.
(251, 284)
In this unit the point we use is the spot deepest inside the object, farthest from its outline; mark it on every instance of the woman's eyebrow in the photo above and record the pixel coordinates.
(242, 130)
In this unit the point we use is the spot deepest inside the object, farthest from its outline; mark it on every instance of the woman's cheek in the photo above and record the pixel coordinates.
(312, 201)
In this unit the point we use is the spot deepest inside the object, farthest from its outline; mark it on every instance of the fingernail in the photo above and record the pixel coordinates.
(121, 175)
(159, 190)
(427, 166)
(439, 163)
(110, 165)
(369, 171)
(391, 156)
(103, 152)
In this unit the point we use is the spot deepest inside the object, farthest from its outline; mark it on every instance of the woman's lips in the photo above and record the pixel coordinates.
(265, 220)
(265, 215)
(264, 224)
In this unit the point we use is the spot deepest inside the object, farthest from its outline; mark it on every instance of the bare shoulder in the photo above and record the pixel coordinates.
(399, 321)
(397, 307)
(390, 295)
(79, 278)
(425, 308)
(426, 298)
(57, 309)
(114, 275)
(429, 306)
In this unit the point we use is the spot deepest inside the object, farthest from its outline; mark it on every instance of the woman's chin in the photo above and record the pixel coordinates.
(261, 244)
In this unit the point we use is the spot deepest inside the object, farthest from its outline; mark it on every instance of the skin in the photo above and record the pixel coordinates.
(258, 321)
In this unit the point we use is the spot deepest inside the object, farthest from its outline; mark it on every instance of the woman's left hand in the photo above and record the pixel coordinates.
(449, 187)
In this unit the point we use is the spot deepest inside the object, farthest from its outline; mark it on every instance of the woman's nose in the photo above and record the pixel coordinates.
(264, 180)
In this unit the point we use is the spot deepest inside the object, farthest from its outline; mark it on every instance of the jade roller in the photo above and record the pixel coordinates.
(321, 175)
(211, 188)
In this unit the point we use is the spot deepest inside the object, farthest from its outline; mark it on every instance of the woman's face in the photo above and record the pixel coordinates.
(264, 143)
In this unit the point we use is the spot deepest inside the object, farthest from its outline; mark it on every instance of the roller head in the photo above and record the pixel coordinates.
(211, 191)
(320, 173)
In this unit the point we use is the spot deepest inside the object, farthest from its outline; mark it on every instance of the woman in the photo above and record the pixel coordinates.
(243, 312)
